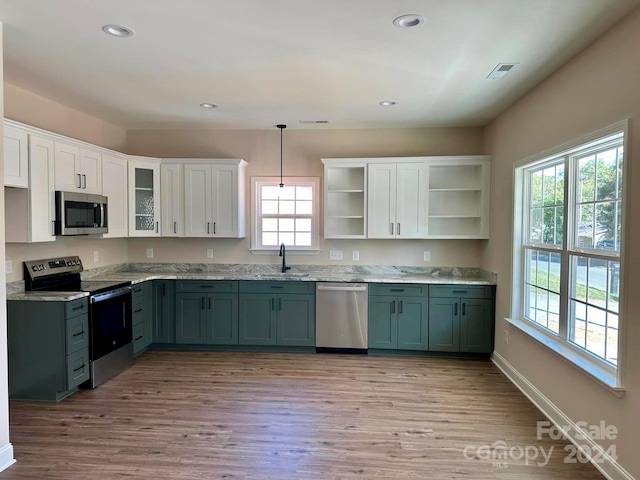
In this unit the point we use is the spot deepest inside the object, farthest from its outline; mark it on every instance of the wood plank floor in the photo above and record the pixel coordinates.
(210, 415)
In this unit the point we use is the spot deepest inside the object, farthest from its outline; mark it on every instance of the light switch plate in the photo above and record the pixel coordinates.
(96, 256)
(427, 256)
(149, 252)
(355, 255)
(8, 266)
(335, 255)
(209, 252)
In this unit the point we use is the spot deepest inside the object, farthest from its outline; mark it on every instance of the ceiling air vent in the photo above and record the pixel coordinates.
(314, 122)
(501, 70)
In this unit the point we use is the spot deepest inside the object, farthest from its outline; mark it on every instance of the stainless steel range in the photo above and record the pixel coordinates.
(110, 316)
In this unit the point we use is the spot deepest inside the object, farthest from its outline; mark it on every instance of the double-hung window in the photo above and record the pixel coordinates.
(568, 244)
(287, 214)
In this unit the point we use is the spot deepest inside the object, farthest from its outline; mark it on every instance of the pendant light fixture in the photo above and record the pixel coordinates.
(281, 127)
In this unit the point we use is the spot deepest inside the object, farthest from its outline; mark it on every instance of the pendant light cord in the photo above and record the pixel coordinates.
(281, 127)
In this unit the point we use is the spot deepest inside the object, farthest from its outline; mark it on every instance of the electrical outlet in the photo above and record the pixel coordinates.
(8, 266)
(355, 256)
(426, 256)
(335, 255)
(209, 252)
(96, 256)
(506, 337)
(149, 252)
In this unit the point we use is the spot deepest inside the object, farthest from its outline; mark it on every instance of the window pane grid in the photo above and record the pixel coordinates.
(542, 285)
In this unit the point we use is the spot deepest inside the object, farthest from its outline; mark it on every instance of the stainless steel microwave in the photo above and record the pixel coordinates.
(80, 214)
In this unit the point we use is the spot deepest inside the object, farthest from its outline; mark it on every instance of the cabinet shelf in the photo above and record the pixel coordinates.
(345, 216)
(345, 190)
(144, 189)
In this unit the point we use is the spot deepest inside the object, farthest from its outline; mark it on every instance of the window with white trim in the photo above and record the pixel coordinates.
(286, 214)
(569, 211)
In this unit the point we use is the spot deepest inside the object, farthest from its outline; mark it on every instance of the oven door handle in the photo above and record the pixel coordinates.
(108, 295)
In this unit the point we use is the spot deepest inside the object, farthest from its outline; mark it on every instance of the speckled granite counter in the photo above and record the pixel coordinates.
(140, 272)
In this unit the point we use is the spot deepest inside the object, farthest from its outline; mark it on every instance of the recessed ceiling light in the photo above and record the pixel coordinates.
(209, 105)
(387, 103)
(408, 21)
(118, 31)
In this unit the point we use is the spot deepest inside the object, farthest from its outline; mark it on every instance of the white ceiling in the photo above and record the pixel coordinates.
(281, 61)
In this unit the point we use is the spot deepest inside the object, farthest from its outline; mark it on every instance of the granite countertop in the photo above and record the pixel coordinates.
(141, 272)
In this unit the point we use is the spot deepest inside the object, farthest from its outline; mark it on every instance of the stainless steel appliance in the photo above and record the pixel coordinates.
(110, 315)
(341, 317)
(80, 214)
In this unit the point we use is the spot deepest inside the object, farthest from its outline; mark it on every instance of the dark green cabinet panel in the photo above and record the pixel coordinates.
(257, 322)
(398, 322)
(476, 325)
(222, 322)
(383, 322)
(191, 318)
(296, 325)
(412, 323)
(142, 316)
(444, 325)
(164, 311)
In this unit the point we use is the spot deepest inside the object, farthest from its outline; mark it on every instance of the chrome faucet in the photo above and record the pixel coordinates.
(284, 261)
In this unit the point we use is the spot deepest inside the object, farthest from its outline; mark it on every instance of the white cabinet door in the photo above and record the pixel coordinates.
(16, 157)
(381, 200)
(172, 198)
(197, 201)
(115, 188)
(144, 197)
(90, 169)
(410, 200)
(67, 172)
(224, 192)
(29, 214)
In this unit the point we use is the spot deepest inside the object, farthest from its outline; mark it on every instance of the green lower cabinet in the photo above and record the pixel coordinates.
(142, 316)
(207, 318)
(461, 325)
(164, 323)
(398, 322)
(257, 322)
(476, 325)
(296, 320)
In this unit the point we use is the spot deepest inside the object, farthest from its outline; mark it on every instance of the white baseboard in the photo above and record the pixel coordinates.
(6, 457)
(607, 465)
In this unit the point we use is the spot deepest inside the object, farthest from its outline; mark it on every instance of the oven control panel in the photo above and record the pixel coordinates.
(42, 268)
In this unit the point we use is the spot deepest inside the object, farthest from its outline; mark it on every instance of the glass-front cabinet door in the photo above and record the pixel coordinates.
(144, 197)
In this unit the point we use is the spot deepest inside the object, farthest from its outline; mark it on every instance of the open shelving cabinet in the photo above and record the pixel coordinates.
(345, 199)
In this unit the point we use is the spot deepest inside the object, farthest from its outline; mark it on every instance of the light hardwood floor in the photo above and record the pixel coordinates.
(196, 415)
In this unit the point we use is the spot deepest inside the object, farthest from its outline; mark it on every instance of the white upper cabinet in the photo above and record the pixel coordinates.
(172, 198)
(77, 169)
(396, 200)
(29, 213)
(144, 197)
(115, 187)
(458, 203)
(16, 157)
(214, 193)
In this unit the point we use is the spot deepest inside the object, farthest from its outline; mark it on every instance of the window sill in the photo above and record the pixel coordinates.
(276, 251)
(570, 354)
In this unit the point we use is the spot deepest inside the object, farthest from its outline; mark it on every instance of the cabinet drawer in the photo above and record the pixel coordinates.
(398, 289)
(277, 287)
(77, 367)
(76, 307)
(140, 307)
(206, 286)
(77, 333)
(460, 291)
(137, 290)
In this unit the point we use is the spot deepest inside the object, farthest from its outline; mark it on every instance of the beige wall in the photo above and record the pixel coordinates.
(599, 87)
(4, 379)
(40, 112)
(302, 151)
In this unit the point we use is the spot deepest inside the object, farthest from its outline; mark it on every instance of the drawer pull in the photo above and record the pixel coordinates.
(80, 307)
(138, 310)
(78, 334)
(206, 286)
(459, 291)
(79, 368)
(396, 289)
(276, 286)
(138, 338)
(138, 290)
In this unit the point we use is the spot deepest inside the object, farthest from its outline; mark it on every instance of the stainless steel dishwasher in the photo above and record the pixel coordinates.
(341, 317)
